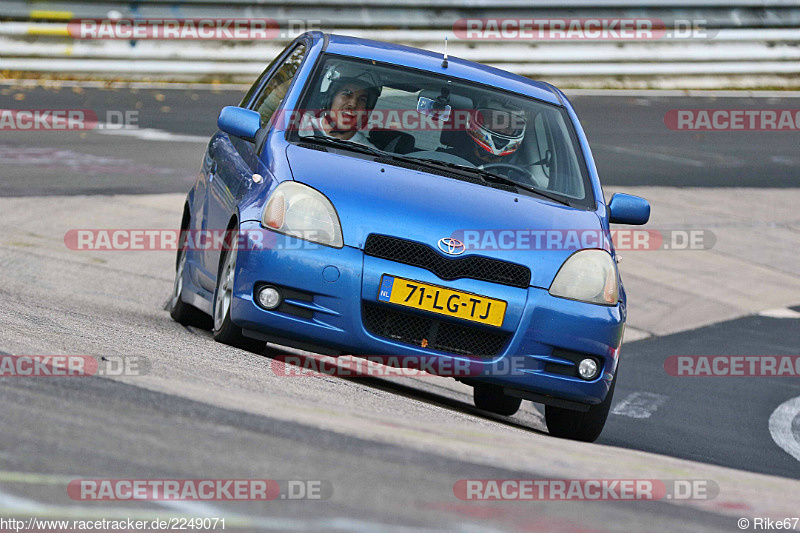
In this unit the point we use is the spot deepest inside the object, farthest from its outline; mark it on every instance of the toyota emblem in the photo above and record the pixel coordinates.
(451, 246)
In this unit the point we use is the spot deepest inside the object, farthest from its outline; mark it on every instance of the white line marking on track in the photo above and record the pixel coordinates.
(653, 155)
(781, 312)
(9, 501)
(639, 404)
(780, 427)
(152, 134)
(192, 508)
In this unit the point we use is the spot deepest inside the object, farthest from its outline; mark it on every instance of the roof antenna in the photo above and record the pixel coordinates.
(444, 61)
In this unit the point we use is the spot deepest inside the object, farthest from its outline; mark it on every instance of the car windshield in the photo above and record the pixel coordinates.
(411, 114)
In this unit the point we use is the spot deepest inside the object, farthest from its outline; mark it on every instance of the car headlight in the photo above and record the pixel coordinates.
(588, 276)
(300, 211)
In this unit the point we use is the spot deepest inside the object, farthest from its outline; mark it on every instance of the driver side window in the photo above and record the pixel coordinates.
(275, 91)
(540, 172)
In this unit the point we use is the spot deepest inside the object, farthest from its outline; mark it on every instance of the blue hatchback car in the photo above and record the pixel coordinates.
(391, 201)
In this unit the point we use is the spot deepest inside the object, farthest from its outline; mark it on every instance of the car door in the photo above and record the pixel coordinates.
(235, 160)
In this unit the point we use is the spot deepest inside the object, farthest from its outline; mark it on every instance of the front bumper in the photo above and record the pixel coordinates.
(328, 291)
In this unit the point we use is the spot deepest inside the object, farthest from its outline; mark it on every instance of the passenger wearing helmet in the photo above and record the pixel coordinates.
(349, 96)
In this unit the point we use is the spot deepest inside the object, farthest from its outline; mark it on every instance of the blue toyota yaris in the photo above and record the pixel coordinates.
(391, 201)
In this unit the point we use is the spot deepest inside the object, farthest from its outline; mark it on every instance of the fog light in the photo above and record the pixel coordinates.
(269, 297)
(588, 369)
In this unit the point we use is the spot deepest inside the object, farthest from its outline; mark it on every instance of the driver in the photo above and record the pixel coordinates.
(350, 94)
(496, 130)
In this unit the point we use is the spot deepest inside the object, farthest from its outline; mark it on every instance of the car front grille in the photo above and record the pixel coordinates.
(431, 333)
(423, 256)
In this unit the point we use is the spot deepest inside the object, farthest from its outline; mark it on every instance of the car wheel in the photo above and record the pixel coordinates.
(180, 311)
(577, 425)
(491, 398)
(225, 330)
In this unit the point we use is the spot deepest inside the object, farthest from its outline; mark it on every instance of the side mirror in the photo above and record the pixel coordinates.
(240, 122)
(628, 209)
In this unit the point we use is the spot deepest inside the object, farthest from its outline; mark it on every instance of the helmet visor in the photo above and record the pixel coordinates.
(501, 122)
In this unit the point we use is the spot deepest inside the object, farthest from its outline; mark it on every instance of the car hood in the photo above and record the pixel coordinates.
(371, 197)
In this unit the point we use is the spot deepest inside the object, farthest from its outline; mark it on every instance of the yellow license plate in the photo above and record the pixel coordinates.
(458, 304)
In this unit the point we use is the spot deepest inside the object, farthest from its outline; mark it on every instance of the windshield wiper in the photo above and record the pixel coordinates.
(348, 145)
(497, 178)
(491, 176)
(485, 174)
(447, 164)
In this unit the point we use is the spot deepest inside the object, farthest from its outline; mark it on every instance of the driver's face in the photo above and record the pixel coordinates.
(349, 106)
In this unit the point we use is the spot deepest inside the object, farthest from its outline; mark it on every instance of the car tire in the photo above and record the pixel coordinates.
(577, 425)
(180, 311)
(224, 330)
(491, 398)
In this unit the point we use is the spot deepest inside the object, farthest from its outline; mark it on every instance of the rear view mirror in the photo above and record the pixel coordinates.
(433, 109)
(240, 122)
(628, 209)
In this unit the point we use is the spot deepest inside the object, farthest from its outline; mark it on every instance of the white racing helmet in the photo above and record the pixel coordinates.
(497, 128)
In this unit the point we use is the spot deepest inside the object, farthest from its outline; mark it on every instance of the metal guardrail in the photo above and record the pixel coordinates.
(758, 44)
(414, 13)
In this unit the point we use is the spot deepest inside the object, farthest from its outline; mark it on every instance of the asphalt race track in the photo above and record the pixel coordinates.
(630, 142)
(390, 450)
